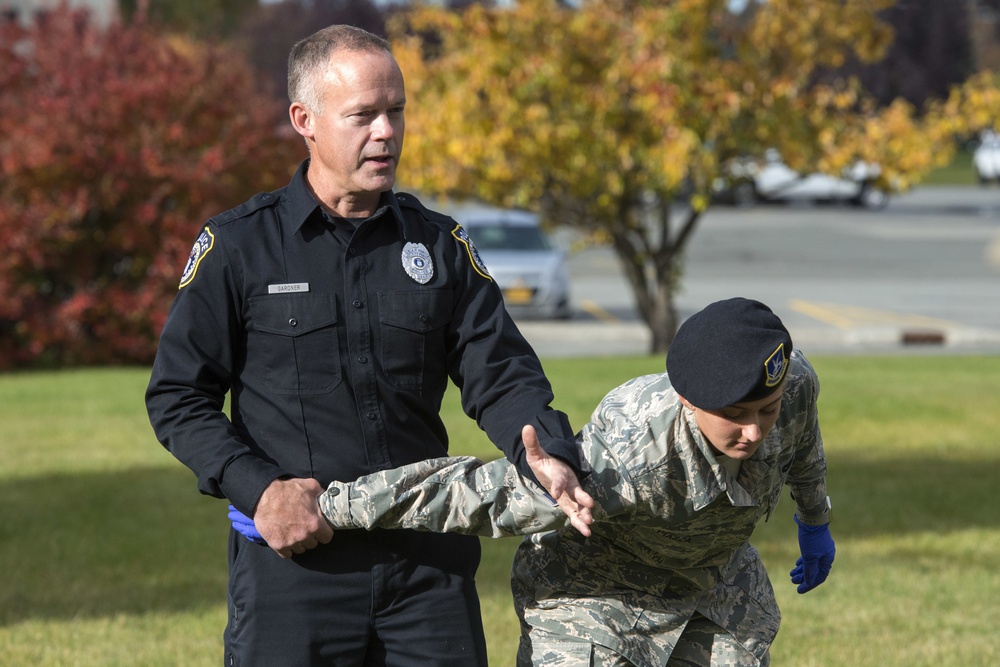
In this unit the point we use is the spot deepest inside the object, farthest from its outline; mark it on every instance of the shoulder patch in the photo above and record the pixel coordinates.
(202, 246)
(463, 238)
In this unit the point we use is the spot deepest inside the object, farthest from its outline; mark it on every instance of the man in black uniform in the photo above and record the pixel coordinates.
(335, 312)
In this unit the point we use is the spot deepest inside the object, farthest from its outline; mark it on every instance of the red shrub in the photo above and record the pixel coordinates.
(115, 145)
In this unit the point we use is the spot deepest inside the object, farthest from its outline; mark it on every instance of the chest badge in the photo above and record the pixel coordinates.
(417, 262)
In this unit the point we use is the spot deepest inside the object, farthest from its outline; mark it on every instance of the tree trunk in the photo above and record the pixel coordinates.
(652, 281)
(663, 315)
(649, 257)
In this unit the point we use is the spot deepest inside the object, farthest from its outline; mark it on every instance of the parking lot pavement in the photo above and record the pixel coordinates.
(921, 276)
(594, 338)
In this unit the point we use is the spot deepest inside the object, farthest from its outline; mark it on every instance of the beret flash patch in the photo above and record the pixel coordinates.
(775, 367)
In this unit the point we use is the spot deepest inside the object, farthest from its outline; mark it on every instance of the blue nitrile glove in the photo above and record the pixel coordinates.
(245, 526)
(818, 551)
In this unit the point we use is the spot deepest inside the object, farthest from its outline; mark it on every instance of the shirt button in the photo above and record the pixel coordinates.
(423, 318)
(292, 322)
(353, 251)
(357, 303)
(363, 360)
(371, 415)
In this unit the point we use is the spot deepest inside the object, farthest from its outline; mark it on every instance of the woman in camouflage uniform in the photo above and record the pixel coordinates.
(683, 465)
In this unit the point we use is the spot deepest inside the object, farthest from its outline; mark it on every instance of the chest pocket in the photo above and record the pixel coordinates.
(294, 337)
(414, 325)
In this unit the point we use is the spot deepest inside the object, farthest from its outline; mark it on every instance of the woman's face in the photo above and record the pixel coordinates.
(737, 431)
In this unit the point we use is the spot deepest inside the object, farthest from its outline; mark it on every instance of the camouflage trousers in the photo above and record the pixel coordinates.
(702, 644)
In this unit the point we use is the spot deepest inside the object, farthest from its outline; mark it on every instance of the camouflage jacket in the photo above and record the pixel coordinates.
(670, 534)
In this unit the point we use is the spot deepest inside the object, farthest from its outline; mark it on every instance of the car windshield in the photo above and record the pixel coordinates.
(508, 237)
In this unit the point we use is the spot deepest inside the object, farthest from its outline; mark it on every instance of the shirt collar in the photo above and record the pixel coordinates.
(301, 204)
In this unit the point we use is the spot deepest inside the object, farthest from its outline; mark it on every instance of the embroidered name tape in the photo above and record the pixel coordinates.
(287, 287)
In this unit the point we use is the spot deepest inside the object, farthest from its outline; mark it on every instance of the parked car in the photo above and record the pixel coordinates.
(527, 266)
(986, 157)
(749, 181)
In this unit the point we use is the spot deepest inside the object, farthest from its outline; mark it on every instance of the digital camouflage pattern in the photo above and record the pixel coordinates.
(670, 533)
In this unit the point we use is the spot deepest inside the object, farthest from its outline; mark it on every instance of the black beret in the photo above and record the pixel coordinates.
(732, 351)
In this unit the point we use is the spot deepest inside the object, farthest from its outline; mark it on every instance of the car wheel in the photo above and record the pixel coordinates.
(564, 312)
(872, 197)
(744, 194)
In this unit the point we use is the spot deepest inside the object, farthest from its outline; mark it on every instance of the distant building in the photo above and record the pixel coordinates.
(102, 11)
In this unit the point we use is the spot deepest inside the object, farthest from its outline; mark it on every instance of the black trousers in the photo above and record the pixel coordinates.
(394, 598)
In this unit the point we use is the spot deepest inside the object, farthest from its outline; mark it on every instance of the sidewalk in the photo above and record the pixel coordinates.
(590, 338)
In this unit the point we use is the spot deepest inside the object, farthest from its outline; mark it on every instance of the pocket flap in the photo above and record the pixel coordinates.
(415, 310)
(292, 314)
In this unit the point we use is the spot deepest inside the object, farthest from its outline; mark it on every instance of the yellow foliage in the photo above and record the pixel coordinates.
(586, 112)
(970, 108)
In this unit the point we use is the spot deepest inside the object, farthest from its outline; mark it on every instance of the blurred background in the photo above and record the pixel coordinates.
(657, 145)
(622, 163)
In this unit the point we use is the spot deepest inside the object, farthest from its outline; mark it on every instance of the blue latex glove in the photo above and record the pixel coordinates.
(245, 526)
(818, 551)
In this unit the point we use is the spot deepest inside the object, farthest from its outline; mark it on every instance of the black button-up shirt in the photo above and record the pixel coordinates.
(337, 345)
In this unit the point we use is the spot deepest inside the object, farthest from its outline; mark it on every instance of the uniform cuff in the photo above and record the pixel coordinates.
(245, 480)
(819, 518)
(335, 503)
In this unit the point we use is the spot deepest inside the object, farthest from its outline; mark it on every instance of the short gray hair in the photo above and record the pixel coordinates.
(309, 59)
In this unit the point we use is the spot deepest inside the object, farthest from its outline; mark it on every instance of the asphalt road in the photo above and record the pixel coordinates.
(921, 275)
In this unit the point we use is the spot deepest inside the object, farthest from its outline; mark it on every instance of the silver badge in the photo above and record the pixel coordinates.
(417, 262)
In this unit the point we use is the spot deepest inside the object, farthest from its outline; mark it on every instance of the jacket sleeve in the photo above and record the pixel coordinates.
(465, 495)
(807, 476)
(501, 379)
(192, 373)
(452, 494)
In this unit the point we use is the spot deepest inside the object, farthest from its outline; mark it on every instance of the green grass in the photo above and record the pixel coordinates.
(109, 556)
(958, 172)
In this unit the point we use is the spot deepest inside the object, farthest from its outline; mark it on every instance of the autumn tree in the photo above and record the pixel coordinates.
(970, 108)
(608, 115)
(115, 145)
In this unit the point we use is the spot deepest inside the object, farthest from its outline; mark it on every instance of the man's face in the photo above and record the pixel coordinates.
(359, 135)
(738, 430)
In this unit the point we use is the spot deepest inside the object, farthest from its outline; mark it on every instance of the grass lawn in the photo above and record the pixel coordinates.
(109, 556)
(958, 172)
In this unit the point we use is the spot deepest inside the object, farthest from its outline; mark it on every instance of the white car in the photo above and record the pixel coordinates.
(772, 180)
(529, 269)
(986, 158)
